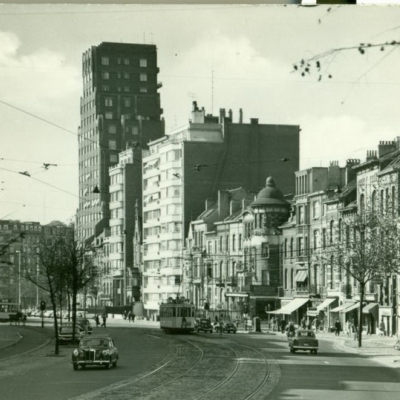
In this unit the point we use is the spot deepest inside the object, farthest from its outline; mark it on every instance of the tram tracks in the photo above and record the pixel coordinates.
(197, 368)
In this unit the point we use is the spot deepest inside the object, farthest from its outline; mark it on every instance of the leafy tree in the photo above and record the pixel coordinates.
(365, 245)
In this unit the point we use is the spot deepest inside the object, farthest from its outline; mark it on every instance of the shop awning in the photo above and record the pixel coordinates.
(340, 308)
(292, 306)
(234, 294)
(372, 308)
(301, 275)
(325, 304)
(351, 307)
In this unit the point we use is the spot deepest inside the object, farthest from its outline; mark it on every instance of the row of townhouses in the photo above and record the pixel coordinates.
(216, 211)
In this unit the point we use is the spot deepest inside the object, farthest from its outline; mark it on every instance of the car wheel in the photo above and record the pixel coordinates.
(294, 350)
(315, 352)
(115, 364)
(107, 366)
(75, 366)
(211, 331)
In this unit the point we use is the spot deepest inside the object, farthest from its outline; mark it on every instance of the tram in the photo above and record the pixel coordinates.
(7, 308)
(177, 316)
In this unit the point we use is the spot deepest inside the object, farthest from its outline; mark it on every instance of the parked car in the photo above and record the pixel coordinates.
(86, 324)
(65, 332)
(305, 340)
(226, 327)
(203, 324)
(95, 350)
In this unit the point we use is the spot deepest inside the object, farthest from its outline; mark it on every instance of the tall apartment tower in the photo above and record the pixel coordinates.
(120, 108)
(191, 164)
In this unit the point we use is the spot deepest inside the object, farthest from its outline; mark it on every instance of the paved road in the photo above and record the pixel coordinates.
(158, 366)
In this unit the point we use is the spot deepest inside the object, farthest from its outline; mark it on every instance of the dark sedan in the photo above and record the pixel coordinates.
(95, 350)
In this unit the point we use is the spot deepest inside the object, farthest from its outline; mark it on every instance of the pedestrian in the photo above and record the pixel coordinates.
(97, 319)
(133, 317)
(303, 323)
(338, 327)
(317, 324)
(104, 316)
(237, 322)
(283, 326)
(245, 323)
(347, 328)
(382, 329)
(355, 330)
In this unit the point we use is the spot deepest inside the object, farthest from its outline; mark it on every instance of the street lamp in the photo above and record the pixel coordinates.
(19, 277)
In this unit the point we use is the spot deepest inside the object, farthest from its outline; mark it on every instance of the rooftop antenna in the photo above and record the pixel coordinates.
(212, 91)
(151, 35)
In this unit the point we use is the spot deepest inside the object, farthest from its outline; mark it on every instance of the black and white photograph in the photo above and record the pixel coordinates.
(199, 201)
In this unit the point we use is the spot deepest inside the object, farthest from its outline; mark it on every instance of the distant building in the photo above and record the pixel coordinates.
(120, 108)
(191, 164)
(19, 243)
(232, 260)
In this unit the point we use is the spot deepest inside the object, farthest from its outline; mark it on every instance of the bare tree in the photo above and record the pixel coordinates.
(365, 246)
(49, 275)
(80, 272)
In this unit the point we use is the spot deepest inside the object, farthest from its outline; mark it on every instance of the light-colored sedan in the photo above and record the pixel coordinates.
(304, 340)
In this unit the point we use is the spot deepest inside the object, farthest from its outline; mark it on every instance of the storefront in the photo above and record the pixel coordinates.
(294, 310)
(370, 318)
(346, 312)
(386, 315)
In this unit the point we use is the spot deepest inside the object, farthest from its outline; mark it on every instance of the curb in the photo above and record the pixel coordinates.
(14, 343)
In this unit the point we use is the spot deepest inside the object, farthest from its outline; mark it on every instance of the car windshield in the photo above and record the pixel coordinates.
(95, 342)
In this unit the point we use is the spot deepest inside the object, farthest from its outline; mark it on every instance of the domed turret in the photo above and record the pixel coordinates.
(270, 195)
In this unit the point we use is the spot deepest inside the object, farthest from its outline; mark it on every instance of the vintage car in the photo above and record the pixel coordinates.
(86, 324)
(203, 324)
(95, 350)
(65, 332)
(226, 327)
(305, 340)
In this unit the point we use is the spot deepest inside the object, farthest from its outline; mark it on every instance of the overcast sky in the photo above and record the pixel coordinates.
(251, 51)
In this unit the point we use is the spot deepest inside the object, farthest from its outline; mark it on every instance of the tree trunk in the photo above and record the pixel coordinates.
(54, 307)
(360, 325)
(74, 296)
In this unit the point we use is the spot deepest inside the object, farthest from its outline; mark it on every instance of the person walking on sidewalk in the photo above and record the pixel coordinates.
(347, 327)
(97, 319)
(338, 327)
(104, 320)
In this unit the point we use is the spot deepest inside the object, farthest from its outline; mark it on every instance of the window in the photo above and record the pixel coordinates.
(233, 242)
(105, 88)
(291, 247)
(316, 209)
(105, 61)
(135, 130)
(301, 215)
(105, 75)
(301, 246)
(112, 129)
(126, 61)
(264, 250)
(143, 90)
(220, 244)
(362, 203)
(331, 231)
(143, 77)
(127, 89)
(108, 115)
(286, 278)
(291, 278)
(240, 242)
(112, 144)
(143, 62)
(127, 102)
(113, 158)
(285, 248)
(108, 102)
(323, 238)
(316, 240)
(126, 75)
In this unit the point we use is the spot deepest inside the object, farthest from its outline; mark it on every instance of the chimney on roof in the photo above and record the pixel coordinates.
(240, 116)
(385, 147)
(221, 115)
(195, 108)
(230, 114)
(254, 121)
(371, 155)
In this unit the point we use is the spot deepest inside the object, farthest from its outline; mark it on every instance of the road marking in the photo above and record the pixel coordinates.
(326, 362)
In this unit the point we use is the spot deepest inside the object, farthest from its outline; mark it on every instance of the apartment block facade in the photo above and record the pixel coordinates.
(120, 108)
(191, 164)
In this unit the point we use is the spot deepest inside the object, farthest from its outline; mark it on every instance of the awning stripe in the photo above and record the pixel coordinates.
(325, 304)
(301, 275)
